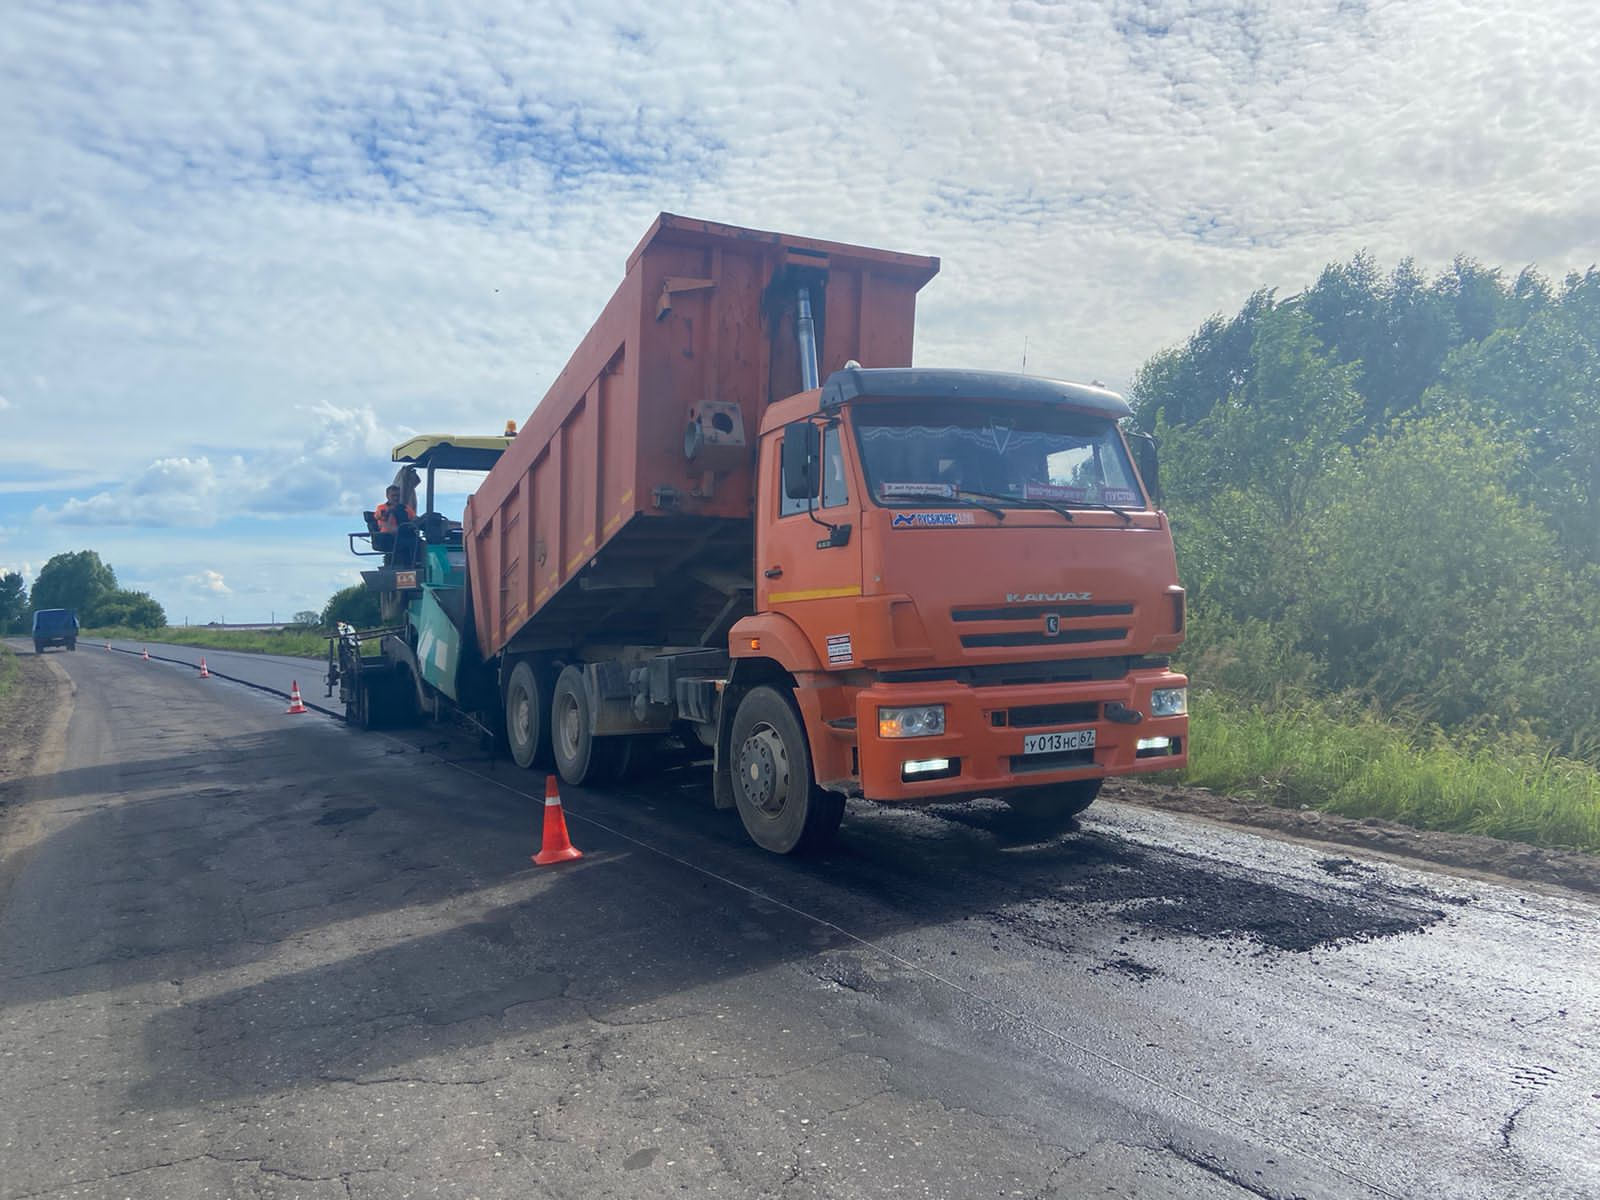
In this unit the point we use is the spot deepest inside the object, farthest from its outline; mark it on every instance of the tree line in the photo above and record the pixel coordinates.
(81, 581)
(1388, 486)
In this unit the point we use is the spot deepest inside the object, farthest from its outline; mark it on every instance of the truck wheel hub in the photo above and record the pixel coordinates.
(763, 770)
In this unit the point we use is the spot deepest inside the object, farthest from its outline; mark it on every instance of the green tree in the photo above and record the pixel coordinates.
(306, 619)
(13, 603)
(1424, 580)
(1181, 386)
(355, 605)
(76, 580)
(132, 610)
(1542, 378)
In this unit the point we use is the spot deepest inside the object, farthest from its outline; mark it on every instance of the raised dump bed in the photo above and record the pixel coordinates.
(622, 512)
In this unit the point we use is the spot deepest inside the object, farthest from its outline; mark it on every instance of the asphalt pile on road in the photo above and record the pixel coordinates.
(1166, 893)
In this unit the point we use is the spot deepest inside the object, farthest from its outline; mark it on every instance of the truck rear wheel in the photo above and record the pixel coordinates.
(1051, 809)
(528, 716)
(779, 802)
(581, 757)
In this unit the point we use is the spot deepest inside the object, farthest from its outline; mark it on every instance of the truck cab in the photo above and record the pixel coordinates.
(970, 585)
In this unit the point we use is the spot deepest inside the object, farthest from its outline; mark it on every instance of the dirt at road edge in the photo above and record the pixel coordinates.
(1462, 852)
(29, 713)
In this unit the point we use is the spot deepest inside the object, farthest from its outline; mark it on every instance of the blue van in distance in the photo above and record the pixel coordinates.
(55, 627)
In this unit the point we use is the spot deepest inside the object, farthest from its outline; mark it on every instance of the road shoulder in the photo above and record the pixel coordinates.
(35, 714)
(1488, 858)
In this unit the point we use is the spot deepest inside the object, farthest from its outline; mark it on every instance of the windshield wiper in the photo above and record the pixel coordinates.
(959, 498)
(1126, 519)
(965, 497)
(1019, 502)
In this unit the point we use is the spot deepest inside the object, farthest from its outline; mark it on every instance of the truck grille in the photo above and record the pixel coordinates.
(1042, 624)
(1038, 716)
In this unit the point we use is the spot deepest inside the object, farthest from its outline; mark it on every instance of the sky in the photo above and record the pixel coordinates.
(245, 248)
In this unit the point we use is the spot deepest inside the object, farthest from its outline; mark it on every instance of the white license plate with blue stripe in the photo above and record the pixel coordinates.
(1057, 743)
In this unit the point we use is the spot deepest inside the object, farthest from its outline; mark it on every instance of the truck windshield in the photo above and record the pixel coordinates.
(1020, 457)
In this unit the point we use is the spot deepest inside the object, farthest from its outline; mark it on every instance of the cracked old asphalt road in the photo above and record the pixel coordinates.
(244, 954)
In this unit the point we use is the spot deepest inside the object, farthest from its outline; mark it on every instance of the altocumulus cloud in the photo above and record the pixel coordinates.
(415, 213)
(333, 472)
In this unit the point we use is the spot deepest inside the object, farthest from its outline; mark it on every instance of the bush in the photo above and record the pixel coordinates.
(355, 605)
(131, 610)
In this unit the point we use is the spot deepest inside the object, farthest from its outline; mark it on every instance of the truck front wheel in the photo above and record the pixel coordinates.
(780, 804)
(582, 758)
(528, 716)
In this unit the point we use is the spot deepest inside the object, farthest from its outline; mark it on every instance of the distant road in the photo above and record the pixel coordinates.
(276, 672)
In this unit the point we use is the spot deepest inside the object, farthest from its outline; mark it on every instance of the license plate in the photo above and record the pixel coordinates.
(1056, 743)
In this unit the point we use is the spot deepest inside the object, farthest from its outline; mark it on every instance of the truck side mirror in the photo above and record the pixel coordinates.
(802, 448)
(1144, 450)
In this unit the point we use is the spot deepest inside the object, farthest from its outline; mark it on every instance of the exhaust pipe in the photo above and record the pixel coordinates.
(807, 332)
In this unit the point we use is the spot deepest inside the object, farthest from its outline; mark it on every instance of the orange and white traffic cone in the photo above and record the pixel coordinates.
(147, 654)
(557, 846)
(204, 674)
(296, 705)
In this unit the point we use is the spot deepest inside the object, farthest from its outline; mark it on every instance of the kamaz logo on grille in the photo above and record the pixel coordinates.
(1052, 626)
(1044, 597)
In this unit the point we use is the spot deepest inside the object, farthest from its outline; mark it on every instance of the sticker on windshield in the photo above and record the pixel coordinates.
(1118, 496)
(923, 520)
(1054, 491)
(908, 491)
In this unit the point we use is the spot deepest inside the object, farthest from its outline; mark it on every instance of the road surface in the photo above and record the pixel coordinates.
(249, 954)
(276, 671)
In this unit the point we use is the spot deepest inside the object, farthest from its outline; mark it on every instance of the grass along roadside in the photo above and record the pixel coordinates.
(8, 670)
(1316, 755)
(265, 641)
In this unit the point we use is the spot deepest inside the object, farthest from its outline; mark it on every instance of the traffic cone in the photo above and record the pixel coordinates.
(557, 846)
(147, 654)
(296, 705)
(204, 674)
(108, 645)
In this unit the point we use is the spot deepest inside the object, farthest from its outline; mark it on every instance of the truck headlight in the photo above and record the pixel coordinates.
(923, 721)
(1169, 702)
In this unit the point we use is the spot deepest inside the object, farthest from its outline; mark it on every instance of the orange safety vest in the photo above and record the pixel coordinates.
(387, 518)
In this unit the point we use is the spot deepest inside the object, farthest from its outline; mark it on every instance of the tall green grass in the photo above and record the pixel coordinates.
(8, 670)
(1338, 757)
(279, 641)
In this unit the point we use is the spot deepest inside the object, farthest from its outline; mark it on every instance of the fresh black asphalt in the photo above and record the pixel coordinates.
(249, 954)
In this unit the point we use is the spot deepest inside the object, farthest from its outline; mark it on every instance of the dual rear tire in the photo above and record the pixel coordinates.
(548, 722)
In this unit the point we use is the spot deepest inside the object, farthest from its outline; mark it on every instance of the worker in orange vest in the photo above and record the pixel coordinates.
(392, 511)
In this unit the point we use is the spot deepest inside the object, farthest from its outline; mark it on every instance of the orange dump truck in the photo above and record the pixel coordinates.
(741, 518)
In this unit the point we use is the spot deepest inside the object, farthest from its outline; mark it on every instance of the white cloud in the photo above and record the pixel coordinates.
(214, 219)
(209, 581)
(338, 469)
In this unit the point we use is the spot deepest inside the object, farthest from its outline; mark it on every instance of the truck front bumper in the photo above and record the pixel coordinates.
(983, 750)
